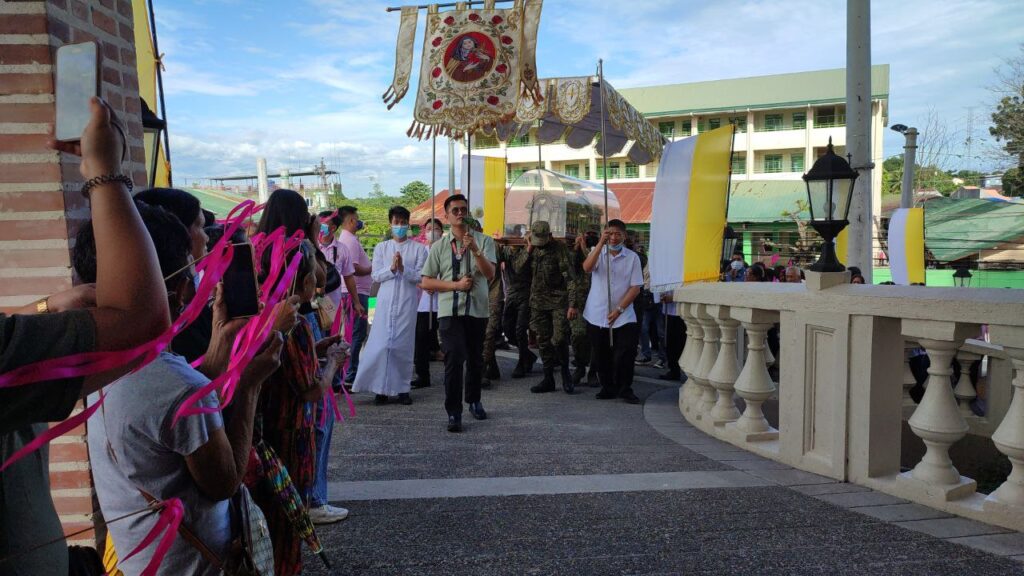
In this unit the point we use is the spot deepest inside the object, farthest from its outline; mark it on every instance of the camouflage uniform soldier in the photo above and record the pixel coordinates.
(517, 321)
(580, 341)
(496, 302)
(554, 297)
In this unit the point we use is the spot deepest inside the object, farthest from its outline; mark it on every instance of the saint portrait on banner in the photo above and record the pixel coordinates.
(469, 57)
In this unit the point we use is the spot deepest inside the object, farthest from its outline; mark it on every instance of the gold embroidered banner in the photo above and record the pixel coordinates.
(403, 57)
(472, 68)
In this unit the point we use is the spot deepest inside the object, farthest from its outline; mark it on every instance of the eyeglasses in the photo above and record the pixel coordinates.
(459, 209)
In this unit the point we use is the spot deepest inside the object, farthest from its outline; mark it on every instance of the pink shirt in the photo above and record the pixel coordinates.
(358, 256)
(338, 255)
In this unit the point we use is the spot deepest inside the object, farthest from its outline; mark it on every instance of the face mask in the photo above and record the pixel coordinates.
(197, 278)
(400, 231)
(359, 225)
(614, 247)
(434, 235)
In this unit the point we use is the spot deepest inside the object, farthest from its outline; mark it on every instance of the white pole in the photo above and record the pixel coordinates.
(261, 176)
(909, 163)
(858, 133)
(451, 166)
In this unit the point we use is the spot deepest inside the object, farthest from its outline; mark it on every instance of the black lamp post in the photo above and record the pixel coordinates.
(729, 239)
(962, 277)
(152, 126)
(829, 190)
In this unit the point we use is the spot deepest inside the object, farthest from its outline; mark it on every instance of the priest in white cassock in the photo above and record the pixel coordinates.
(387, 360)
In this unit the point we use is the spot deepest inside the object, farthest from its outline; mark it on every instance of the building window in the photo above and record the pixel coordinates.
(586, 171)
(740, 122)
(482, 141)
(829, 117)
(739, 164)
(514, 173)
(519, 141)
(667, 129)
(799, 120)
(631, 170)
(687, 127)
(572, 170)
(714, 123)
(772, 163)
(613, 170)
(796, 162)
(772, 122)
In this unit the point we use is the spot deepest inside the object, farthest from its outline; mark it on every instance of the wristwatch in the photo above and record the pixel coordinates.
(621, 310)
(43, 306)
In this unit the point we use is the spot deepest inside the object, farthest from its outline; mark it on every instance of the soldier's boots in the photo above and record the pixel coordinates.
(493, 373)
(579, 374)
(568, 384)
(547, 384)
(525, 365)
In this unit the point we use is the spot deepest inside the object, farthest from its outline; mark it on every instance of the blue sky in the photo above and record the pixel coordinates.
(300, 80)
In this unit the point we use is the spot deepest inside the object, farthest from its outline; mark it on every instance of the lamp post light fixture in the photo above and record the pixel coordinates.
(729, 239)
(829, 191)
(152, 126)
(962, 277)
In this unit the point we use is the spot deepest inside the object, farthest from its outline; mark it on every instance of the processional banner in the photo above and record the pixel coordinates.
(691, 197)
(477, 64)
(483, 183)
(906, 246)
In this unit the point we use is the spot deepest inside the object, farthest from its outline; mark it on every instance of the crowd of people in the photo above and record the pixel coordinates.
(450, 294)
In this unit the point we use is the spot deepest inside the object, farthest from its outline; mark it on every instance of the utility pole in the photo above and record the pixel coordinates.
(909, 163)
(970, 141)
(860, 247)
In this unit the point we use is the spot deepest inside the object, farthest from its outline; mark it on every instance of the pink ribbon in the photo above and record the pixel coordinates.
(170, 519)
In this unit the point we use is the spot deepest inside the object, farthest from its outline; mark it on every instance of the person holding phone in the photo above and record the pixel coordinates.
(127, 307)
(458, 268)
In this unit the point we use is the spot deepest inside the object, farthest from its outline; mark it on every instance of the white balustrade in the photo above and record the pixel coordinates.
(723, 373)
(1007, 501)
(754, 384)
(691, 356)
(964, 391)
(844, 354)
(708, 355)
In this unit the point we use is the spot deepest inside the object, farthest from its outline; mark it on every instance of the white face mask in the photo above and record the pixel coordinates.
(434, 235)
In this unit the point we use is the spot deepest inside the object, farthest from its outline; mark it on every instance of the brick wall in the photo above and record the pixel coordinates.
(40, 207)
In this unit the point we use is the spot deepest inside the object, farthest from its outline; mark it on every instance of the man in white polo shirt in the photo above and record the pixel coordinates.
(615, 354)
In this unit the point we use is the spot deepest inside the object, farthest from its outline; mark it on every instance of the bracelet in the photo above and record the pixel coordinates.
(106, 179)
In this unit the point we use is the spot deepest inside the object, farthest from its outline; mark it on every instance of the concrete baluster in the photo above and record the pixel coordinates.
(723, 373)
(964, 390)
(691, 356)
(908, 378)
(1008, 499)
(708, 355)
(754, 384)
(937, 421)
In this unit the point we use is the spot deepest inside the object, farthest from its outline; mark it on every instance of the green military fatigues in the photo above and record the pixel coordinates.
(580, 342)
(496, 302)
(554, 290)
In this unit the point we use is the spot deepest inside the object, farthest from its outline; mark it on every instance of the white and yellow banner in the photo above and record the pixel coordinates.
(146, 62)
(688, 215)
(906, 246)
(483, 182)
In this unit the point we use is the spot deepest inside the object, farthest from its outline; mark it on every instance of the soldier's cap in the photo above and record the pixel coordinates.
(540, 233)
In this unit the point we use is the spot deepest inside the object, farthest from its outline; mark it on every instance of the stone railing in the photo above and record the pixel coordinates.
(843, 382)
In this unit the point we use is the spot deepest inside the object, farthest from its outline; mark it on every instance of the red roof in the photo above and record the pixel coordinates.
(635, 200)
(420, 214)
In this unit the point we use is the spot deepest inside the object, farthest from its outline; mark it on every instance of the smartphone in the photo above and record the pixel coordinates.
(78, 80)
(241, 294)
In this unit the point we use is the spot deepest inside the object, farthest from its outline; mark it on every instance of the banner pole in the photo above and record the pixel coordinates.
(430, 226)
(604, 175)
(469, 173)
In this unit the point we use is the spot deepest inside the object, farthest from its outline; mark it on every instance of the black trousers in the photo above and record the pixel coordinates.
(675, 341)
(426, 343)
(462, 340)
(517, 319)
(614, 362)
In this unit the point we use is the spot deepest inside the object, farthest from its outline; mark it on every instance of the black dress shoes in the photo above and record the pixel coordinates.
(477, 410)
(629, 398)
(454, 423)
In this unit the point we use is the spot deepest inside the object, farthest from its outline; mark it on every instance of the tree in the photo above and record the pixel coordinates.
(378, 190)
(414, 193)
(1008, 118)
(1013, 182)
(926, 177)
